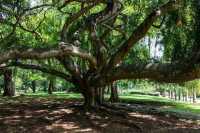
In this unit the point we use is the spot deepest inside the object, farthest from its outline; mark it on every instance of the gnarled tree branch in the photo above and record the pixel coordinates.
(74, 17)
(140, 32)
(46, 53)
(166, 72)
(42, 69)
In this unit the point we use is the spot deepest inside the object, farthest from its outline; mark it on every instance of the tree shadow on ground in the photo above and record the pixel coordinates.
(25, 114)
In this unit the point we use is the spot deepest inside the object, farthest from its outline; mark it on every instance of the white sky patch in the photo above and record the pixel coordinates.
(34, 2)
(156, 48)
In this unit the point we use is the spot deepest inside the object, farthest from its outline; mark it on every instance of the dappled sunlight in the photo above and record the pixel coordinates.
(59, 116)
(66, 126)
(149, 117)
(61, 111)
(41, 111)
(84, 130)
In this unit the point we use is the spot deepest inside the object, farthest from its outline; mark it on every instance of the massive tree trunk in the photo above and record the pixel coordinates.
(93, 97)
(90, 98)
(9, 89)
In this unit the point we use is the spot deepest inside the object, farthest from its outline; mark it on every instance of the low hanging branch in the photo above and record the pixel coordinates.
(166, 72)
(42, 69)
(64, 50)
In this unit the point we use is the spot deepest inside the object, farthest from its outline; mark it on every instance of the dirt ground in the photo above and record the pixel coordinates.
(43, 116)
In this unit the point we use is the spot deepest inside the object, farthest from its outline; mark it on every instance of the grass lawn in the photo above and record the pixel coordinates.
(164, 103)
(55, 95)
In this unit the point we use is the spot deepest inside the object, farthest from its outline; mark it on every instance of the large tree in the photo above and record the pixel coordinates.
(89, 41)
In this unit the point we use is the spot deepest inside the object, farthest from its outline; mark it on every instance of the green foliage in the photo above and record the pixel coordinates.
(193, 85)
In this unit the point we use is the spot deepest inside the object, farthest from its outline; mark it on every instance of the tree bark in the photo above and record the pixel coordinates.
(179, 94)
(171, 94)
(45, 85)
(51, 86)
(114, 94)
(33, 83)
(183, 95)
(102, 91)
(9, 89)
(175, 94)
(93, 97)
(89, 99)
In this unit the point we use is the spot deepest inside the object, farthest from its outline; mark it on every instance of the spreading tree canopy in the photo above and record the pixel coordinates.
(92, 43)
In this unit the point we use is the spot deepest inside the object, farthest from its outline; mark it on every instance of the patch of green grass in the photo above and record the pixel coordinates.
(194, 108)
(165, 104)
(146, 99)
(55, 95)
